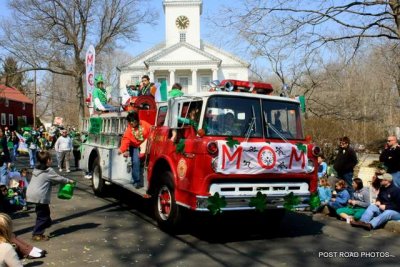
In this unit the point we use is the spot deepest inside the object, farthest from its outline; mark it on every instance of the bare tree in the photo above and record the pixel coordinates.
(54, 35)
(11, 74)
(291, 30)
(107, 64)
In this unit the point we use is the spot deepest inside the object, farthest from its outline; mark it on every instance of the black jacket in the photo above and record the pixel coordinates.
(390, 196)
(4, 152)
(391, 159)
(345, 161)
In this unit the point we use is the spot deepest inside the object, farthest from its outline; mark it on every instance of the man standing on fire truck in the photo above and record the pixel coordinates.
(136, 132)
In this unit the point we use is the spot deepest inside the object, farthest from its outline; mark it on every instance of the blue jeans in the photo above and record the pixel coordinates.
(15, 152)
(396, 178)
(43, 219)
(32, 157)
(110, 108)
(137, 170)
(377, 217)
(348, 178)
(3, 175)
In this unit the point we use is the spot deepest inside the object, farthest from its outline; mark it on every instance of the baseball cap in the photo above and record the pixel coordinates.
(386, 176)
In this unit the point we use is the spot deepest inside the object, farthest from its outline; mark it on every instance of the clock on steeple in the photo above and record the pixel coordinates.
(182, 22)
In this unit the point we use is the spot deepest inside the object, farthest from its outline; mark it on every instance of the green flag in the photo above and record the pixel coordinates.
(163, 90)
(302, 100)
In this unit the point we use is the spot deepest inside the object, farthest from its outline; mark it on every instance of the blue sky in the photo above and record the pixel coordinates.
(157, 32)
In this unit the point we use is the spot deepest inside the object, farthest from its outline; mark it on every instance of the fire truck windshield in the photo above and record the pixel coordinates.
(250, 117)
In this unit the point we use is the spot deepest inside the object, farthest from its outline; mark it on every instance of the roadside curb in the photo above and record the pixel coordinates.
(392, 226)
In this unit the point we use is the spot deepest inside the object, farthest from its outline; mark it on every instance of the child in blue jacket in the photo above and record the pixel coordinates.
(341, 199)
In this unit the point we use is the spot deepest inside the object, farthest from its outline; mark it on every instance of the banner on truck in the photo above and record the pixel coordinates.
(89, 64)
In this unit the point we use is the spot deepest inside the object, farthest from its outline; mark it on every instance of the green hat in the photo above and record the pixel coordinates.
(99, 78)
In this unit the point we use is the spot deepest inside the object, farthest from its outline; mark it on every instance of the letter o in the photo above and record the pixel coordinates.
(263, 160)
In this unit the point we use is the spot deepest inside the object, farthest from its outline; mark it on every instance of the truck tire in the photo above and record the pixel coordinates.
(98, 183)
(167, 213)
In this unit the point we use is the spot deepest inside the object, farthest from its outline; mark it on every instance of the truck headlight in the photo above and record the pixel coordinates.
(310, 166)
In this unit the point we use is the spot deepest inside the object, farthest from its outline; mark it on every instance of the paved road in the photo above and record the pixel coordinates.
(119, 231)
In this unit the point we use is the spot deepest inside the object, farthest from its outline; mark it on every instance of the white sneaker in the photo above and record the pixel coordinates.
(60, 170)
(88, 176)
(68, 170)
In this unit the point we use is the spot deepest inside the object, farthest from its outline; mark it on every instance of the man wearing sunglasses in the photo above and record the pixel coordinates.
(390, 157)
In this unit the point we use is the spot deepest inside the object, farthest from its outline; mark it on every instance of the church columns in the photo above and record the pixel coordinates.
(151, 76)
(215, 74)
(171, 77)
(194, 81)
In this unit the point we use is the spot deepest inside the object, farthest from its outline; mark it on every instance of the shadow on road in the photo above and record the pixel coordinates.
(242, 226)
(73, 228)
(225, 227)
(33, 263)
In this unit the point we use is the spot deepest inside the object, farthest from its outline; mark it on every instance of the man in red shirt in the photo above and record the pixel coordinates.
(136, 132)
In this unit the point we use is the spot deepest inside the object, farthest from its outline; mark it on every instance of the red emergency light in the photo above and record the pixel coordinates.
(246, 86)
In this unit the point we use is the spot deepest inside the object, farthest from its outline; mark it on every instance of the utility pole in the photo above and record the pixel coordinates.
(34, 101)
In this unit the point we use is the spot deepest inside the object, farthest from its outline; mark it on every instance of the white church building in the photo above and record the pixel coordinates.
(183, 58)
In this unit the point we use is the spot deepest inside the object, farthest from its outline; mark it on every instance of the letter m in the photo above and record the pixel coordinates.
(296, 157)
(237, 153)
(89, 59)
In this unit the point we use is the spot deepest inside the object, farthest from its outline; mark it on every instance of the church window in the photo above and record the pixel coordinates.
(182, 37)
(205, 82)
(161, 79)
(135, 79)
(184, 81)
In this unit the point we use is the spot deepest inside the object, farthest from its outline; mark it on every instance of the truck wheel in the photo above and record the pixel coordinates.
(167, 212)
(98, 183)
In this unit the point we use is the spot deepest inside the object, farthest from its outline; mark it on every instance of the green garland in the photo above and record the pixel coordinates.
(138, 134)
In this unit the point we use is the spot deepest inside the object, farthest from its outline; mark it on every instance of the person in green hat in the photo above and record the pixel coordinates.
(100, 97)
(176, 91)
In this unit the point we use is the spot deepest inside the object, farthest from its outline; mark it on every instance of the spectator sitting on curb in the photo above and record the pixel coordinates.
(386, 207)
(8, 255)
(358, 203)
(342, 196)
(324, 194)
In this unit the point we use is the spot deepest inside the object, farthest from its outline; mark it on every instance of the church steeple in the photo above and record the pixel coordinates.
(182, 21)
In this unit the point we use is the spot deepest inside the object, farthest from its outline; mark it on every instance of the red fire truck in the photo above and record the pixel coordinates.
(225, 144)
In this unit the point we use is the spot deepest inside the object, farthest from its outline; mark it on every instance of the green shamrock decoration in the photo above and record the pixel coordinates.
(259, 201)
(291, 201)
(216, 203)
(180, 147)
(301, 147)
(231, 142)
(314, 201)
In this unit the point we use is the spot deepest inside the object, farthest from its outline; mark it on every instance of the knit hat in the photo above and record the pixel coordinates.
(386, 176)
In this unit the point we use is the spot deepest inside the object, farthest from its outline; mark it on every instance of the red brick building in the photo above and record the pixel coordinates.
(14, 107)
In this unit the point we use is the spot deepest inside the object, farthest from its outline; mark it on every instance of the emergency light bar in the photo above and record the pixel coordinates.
(246, 86)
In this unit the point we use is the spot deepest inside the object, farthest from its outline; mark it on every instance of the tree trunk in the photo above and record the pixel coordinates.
(80, 94)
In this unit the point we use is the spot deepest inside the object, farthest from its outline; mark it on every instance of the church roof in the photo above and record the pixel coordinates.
(169, 50)
(159, 54)
(230, 55)
(143, 55)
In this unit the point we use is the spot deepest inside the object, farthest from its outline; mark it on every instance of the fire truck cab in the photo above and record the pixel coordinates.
(223, 143)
